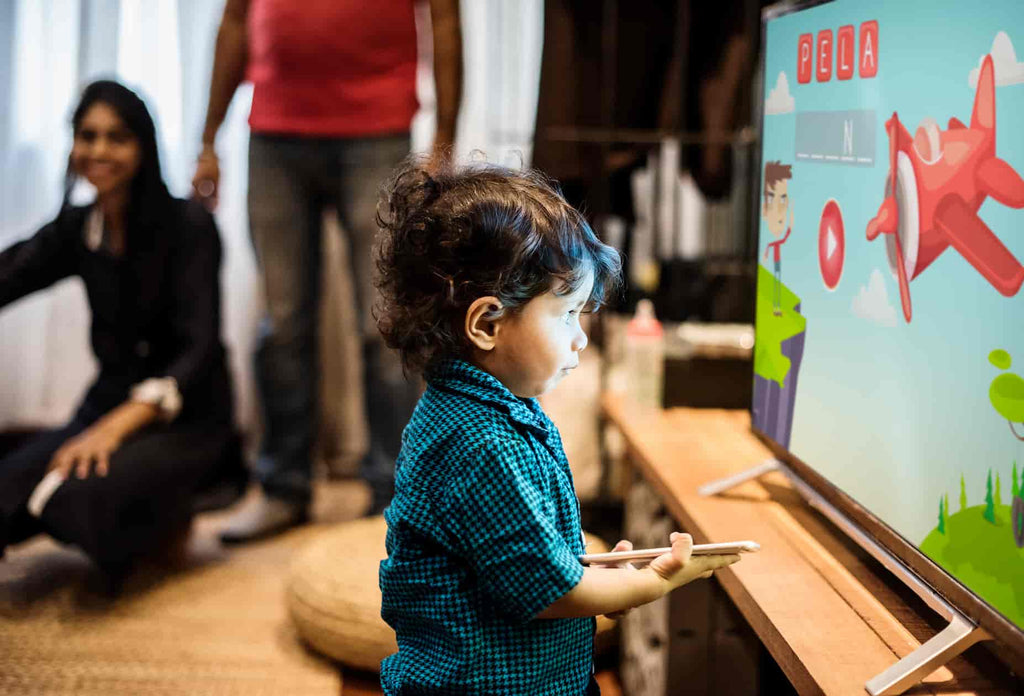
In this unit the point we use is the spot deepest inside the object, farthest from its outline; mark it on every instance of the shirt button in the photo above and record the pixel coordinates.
(142, 349)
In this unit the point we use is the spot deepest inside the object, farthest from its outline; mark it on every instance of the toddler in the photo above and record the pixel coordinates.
(483, 274)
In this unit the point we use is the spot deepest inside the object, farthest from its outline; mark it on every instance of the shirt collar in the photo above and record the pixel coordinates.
(461, 377)
(93, 232)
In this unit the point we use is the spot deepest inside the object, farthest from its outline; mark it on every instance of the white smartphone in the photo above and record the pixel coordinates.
(43, 491)
(723, 549)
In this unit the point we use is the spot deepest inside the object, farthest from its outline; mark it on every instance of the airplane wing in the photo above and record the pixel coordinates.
(999, 180)
(970, 236)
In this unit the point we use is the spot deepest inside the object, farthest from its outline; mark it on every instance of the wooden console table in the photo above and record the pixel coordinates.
(829, 615)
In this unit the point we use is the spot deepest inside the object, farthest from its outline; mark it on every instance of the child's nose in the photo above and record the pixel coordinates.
(580, 341)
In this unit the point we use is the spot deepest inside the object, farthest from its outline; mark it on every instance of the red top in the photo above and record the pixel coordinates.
(332, 67)
(778, 245)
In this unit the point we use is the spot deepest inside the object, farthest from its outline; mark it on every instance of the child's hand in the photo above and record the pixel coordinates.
(678, 567)
(623, 545)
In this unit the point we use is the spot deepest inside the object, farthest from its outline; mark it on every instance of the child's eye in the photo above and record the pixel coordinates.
(570, 314)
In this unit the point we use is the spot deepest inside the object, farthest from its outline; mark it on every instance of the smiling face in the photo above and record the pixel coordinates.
(538, 346)
(776, 206)
(105, 152)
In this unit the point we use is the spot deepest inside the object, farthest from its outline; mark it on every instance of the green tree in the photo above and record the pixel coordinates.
(946, 504)
(1006, 393)
(942, 517)
(990, 506)
(963, 494)
(999, 491)
(1014, 487)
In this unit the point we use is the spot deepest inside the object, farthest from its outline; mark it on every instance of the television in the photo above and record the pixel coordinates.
(889, 346)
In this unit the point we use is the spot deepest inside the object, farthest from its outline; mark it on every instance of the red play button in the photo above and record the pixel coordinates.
(831, 244)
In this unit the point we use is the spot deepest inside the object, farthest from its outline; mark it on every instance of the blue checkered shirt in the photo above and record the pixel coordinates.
(483, 534)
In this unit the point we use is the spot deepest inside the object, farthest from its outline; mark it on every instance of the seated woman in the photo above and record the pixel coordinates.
(156, 427)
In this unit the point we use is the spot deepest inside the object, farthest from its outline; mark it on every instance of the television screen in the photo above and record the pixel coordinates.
(890, 322)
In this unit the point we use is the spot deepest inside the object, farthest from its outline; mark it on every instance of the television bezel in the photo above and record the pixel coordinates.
(939, 580)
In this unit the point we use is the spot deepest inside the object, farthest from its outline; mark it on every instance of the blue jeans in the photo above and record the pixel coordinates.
(291, 179)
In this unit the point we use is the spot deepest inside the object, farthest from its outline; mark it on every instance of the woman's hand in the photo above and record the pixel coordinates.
(95, 444)
(679, 567)
(99, 441)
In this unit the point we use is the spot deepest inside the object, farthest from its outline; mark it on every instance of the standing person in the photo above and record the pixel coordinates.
(334, 94)
(774, 211)
(484, 275)
(156, 427)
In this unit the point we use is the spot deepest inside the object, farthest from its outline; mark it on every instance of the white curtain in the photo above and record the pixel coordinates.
(49, 49)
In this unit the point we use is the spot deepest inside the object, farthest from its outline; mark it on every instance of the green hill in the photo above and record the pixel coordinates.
(772, 331)
(983, 557)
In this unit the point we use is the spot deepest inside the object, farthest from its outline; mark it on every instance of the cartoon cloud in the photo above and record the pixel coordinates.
(779, 100)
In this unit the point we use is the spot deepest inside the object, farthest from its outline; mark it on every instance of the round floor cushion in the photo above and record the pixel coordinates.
(334, 597)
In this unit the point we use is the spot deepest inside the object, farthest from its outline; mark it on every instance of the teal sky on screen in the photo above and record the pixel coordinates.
(895, 414)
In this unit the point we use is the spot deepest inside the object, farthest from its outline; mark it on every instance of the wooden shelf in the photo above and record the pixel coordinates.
(830, 615)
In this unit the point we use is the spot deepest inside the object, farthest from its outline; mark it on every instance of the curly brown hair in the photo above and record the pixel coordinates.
(457, 233)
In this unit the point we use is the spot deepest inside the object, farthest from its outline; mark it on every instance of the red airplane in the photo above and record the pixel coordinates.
(937, 181)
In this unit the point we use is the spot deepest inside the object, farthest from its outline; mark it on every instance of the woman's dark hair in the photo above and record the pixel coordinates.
(451, 235)
(149, 200)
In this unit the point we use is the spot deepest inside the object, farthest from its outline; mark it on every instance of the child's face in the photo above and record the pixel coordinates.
(535, 348)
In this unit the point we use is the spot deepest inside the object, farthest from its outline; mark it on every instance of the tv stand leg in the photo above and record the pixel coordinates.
(722, 485)
(960, 634)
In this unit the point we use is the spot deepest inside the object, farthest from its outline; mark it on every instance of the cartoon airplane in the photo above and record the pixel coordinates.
(937, 181)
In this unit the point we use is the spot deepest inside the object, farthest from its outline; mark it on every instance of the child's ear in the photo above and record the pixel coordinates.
(483, 320)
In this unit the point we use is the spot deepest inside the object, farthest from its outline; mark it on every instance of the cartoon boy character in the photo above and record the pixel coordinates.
(776, 205)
